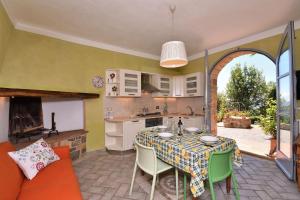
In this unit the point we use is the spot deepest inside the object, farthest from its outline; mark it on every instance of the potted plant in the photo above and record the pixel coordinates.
(268, 124)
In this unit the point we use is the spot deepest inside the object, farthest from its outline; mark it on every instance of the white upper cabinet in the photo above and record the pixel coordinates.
(112, 80)
(164, 84)
(127, 83)
(130, 83)
(194, 84)
(123, 83)
(178, 86)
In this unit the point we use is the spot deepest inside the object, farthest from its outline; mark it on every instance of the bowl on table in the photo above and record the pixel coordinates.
(209, 139)
(192, 130)
(165, 135)
(162, 128)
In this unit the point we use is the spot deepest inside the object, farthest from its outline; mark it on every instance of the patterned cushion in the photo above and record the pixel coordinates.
(34, 157)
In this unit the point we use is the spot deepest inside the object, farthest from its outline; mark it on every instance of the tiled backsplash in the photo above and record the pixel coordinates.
(124, 107)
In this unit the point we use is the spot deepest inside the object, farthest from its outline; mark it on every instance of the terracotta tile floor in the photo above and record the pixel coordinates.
(105, 176)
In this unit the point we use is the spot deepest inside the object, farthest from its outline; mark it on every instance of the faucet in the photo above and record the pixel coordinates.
(191, 110)
(145, 110)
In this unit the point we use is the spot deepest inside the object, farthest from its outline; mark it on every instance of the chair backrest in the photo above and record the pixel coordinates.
(220, 165)
(146, 158)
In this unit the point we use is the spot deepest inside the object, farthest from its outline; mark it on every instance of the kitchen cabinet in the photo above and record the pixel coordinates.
(130, 130)
(123, 83)
(119, 136)
(130, 83)
(164, 84)
(112, 83)
(178, 86)
(194, 84)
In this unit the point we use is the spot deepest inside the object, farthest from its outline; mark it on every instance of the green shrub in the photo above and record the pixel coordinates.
(237, 113)
(268, 122)
(255, 119)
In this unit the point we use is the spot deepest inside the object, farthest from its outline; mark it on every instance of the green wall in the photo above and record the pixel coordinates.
(6, 29)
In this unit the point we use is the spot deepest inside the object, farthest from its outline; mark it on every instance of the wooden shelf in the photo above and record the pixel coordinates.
(10, 92)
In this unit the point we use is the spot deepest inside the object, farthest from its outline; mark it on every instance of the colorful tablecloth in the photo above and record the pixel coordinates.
(187, 153)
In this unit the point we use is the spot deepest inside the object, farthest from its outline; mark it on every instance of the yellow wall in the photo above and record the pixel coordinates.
(37, 62)
(33, 61)
(6, 29)
(269, 45)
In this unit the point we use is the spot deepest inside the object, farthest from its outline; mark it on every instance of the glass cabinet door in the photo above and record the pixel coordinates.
(192, 84)
(165, 86)
(130, 83)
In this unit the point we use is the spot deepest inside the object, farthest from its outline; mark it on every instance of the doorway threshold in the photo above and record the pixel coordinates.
(272, 158)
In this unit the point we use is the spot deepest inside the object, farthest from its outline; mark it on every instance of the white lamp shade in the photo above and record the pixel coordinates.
(173, 54)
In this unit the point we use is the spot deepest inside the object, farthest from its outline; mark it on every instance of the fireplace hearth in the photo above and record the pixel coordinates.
(26, 119)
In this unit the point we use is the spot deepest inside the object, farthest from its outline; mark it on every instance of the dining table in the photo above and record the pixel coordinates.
(188, 153)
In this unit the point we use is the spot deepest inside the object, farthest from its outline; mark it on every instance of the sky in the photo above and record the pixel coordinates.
(260, 61)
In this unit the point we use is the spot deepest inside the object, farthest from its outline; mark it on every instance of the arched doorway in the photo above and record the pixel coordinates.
(213, 76)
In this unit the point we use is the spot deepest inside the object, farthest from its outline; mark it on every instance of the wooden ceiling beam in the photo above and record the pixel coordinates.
(13, 92)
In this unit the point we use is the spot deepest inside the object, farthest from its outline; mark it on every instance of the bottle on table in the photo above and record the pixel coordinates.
(180, 127)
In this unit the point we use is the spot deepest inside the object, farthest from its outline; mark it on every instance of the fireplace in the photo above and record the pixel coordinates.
(26, 118)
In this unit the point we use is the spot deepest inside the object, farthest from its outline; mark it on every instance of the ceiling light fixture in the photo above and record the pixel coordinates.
(173, 53)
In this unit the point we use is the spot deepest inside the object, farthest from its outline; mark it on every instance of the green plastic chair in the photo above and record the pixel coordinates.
(147, 161)
(219, 168)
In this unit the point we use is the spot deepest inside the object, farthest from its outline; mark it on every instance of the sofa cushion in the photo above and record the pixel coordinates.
(34, 157)
(11, 177)
(56, 181)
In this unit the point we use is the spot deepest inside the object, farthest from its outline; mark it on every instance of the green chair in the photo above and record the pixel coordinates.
(220, 168)
(147, 161)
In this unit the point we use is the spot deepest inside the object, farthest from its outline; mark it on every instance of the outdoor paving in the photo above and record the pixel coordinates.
(107, 177)
(251, 140)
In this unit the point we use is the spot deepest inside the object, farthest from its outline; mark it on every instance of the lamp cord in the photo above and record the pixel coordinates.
(172, 10)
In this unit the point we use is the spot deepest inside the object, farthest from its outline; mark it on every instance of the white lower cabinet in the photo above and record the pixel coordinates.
(130, 130)
(119, 136)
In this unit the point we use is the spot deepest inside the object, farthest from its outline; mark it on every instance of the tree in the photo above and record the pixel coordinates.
(221, 106)
(271, 87)
(247, 89)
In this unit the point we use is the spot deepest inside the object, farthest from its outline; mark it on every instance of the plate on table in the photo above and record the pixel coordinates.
(192, 129)
(162, 127)
(165, 135)
(208, 139)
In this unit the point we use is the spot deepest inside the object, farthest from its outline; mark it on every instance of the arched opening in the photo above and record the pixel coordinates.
(223, 64)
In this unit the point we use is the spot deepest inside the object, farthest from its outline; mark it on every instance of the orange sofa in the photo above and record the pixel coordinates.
(56, 181)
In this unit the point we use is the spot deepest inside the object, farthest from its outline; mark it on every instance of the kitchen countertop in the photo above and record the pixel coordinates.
(122, 119)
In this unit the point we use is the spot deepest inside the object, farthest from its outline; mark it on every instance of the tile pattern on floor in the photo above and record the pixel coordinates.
(104, 176)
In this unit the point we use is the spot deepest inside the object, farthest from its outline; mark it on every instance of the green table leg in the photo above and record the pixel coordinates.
(184, 186)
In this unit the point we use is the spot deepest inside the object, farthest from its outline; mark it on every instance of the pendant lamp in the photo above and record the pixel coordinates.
(173, 53)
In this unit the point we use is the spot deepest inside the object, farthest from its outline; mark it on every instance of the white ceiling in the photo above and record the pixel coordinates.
(142, 26)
